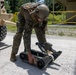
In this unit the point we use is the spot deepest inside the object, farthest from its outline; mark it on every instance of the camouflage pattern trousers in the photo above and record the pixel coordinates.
(24, 30)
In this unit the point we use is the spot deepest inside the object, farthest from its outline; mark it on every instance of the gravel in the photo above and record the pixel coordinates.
(64, 65)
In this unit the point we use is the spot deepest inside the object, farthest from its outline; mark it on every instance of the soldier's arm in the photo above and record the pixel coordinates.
(27, 35)
(44, 24)
(27, 41)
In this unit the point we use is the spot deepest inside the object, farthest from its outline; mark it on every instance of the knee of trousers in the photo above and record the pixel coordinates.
(17, 36)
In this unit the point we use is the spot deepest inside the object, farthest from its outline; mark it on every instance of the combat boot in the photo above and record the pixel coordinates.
(13, 58)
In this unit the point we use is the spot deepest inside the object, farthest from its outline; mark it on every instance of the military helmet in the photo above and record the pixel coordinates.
(42, 11)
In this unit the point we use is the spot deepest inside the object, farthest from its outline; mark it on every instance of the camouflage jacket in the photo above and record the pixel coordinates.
(25, 11)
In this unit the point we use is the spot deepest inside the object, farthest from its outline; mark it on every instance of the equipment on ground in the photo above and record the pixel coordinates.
(3, 29)
(4, 19)
(3, 32)
(42, 59)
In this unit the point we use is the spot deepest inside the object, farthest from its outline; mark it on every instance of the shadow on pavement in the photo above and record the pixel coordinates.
(33, 70)
(75, 69)
(52, 66)
(4, 46)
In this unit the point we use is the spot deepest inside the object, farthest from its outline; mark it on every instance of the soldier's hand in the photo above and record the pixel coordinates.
(49, 52)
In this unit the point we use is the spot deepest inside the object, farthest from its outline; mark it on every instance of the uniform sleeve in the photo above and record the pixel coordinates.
(40, 31)
(44, 24)
(27, 36)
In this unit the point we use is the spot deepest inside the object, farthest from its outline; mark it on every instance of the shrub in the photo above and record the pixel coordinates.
(51, 19)
(55, 19)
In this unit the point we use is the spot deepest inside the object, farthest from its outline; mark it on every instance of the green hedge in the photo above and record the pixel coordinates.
(51, 19)
(56, 18)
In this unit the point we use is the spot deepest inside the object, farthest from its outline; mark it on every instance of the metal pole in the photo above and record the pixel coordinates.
(0, 9)
(53, 10)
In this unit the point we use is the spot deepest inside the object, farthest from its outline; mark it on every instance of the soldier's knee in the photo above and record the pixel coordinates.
(20, 27)
(17, 35)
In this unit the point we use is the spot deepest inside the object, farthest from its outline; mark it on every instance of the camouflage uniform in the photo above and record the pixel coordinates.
(25, 24)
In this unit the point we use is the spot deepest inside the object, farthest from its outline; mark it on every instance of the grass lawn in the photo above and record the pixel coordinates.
(11, 28)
